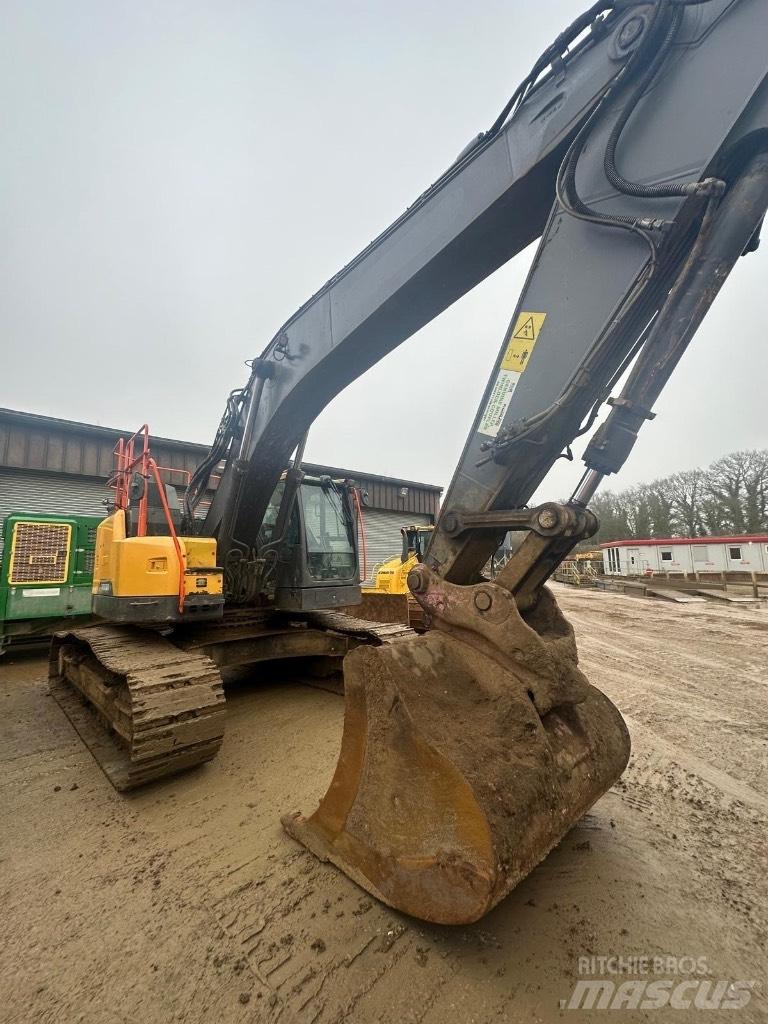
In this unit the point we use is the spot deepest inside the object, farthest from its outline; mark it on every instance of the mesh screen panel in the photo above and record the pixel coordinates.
(40, 553)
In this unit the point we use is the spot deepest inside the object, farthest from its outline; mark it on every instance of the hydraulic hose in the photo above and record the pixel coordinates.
(708, 187)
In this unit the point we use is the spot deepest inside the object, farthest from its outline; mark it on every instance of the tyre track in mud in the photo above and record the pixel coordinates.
(658, 662)
(187, 902)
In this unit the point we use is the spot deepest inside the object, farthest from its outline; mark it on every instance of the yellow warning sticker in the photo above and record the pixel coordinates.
(524, 336)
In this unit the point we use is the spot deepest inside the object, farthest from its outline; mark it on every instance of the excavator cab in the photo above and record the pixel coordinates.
(415, 540)
(316, 558)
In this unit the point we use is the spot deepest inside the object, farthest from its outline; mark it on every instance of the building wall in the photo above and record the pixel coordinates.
(48, 445)
(78, 449)
(50, 494)
(383, 538)
(59, 466)
(738, 555)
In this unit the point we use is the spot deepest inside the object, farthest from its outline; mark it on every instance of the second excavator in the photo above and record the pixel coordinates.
(388, 599)
(636, 150)
(391, 577)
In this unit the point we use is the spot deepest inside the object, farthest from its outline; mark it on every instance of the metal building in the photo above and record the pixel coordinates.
(746, 553)
(56, 466)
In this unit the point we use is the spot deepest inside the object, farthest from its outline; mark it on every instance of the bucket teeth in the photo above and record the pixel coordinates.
(452, 784)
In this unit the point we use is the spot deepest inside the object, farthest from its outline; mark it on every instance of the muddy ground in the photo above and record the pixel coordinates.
(188, 903)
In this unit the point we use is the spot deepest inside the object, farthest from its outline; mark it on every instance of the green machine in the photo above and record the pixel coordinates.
(46, 572)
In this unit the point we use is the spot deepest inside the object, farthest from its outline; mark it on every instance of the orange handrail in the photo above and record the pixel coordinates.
(361, 530)
(152, 465)
(128, 462)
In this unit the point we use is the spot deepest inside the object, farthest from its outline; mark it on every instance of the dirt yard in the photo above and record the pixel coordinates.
(188, 903)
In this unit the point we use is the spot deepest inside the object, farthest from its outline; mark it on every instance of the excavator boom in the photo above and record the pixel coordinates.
(636, 150)
(595, 283)
(468, 753)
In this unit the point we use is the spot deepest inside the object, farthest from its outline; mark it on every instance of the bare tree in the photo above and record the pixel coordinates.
(686, 491)
(731, 496)
(661, 508)
(613, 522)
(725, 483)
(756, 491)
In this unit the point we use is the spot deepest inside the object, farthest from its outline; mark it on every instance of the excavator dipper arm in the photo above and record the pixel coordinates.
(638, 150)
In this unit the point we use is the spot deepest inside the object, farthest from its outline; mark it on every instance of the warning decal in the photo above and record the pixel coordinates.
(524, 336)
(526, 331)
(498, 403)
(521, 342)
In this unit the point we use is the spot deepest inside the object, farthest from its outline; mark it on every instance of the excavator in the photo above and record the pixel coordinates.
(391, 577)
(389, 599)
(636, 151)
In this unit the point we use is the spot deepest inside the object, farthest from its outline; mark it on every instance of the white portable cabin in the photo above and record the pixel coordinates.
(686, 555)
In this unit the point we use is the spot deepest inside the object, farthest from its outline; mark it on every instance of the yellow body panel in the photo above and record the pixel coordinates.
(200, 558)
(200, 551)
(109, 532)
(149, 566)
(391, 576)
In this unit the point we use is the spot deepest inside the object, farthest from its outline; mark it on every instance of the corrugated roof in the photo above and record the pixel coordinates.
(358, 474)
(32, 420)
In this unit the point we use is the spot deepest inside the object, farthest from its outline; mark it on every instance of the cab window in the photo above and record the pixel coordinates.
(329, 534)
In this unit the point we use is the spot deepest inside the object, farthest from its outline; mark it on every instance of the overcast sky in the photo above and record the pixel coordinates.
(178, 176)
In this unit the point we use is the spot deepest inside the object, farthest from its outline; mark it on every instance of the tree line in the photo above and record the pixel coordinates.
(729, 497)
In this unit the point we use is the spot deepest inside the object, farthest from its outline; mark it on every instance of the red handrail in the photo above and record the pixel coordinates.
(155, 469)
(361, 530)
(128, 462)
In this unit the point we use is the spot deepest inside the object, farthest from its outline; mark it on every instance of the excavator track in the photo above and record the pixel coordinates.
(147, 708)
(158, 709)
(363, 629)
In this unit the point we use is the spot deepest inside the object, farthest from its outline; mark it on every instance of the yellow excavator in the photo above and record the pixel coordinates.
(389, 599)
(636, 150)
(391, 577)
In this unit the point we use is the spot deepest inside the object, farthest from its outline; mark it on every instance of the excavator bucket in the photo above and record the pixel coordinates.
(467, 754)
(380, 607)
